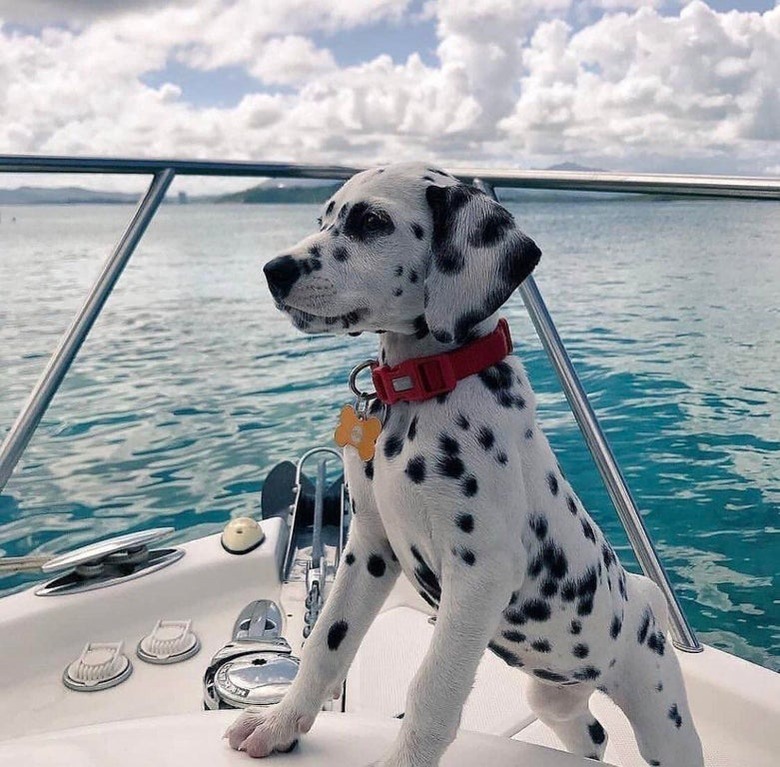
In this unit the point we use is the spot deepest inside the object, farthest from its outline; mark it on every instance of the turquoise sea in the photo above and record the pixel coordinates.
(192, 386)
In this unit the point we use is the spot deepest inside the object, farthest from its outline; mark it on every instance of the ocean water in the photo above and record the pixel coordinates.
(191, 385)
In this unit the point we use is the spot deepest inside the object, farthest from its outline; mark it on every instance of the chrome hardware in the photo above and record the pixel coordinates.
(101, 665)
(257, 667)
(259, 621)
(108, 562)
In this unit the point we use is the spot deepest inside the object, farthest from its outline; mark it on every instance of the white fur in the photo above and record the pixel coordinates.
(519, 562)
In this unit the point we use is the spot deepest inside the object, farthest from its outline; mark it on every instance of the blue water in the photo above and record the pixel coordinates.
(192, 386)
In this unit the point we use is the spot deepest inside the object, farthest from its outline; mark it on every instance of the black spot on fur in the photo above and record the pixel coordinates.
(502, 458)
(597, 734)
(376, 565)
(608, 555)
(329, 209)
(415, 469)
(336, 634)
(413, 276)
(576, 627)
(368, 469)
(393, 446)
(657, 642)
(659, 687)
(569, 591)
(536, 610)
(442, 398)
(412, 433)
(506, 655)
(587, 530)
(549, 676)
(450, 465)
(468, 556)
(350, 558)
(426, 577)
(497, 378)
(469, 486)
(493, 229)
(641, 634)
(616, 627)
(552, 483)
(571, 504)
(674, 715)
(465, 522)
(539, 525)
(515, 616)
(398, 292)
(654, 763)
(462, 421)
(514, 636)
(399, 270)
(529, 433)
(449, 445)
(586, 673)
(541, 645)
(580, 650)
(486, 437)
(554, 560)
(585, 606)
(549, 587)
(418, 231)
(420, 327)
(340, 253)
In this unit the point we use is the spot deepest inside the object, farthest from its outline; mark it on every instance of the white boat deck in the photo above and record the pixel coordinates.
(736, 704)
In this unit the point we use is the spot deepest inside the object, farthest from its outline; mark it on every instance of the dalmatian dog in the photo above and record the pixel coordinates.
(464, 495)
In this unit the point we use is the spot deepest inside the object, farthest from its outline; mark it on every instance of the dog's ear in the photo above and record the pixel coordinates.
(478, 258)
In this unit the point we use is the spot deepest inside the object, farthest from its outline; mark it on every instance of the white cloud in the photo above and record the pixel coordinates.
(514, 84)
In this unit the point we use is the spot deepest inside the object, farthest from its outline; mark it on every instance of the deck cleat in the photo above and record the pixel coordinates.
(100, 666)
(169, 642)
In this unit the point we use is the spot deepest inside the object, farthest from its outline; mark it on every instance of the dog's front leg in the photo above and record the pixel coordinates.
(366, 574)
(473, 598)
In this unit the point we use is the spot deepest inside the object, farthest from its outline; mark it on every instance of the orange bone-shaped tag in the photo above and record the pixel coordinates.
(361, 434)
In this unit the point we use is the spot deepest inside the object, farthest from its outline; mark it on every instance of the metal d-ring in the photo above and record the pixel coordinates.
(365, 399)
(353, 380)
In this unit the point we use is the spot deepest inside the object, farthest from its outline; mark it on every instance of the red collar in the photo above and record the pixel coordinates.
(422, 378)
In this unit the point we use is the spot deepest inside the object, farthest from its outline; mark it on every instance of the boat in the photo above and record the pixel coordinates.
(132, 651)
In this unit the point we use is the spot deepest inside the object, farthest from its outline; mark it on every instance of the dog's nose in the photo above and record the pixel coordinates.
(281, 273)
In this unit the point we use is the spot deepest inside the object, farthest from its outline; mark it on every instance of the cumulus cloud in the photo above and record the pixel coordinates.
(518, 84)
(699, 83)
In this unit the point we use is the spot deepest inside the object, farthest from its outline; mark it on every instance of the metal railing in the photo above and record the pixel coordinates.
(163, 173)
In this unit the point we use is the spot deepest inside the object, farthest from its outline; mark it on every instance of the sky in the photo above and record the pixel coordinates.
(624, 85)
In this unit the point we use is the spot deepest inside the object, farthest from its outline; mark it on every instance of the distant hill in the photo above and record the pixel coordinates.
(64, 195)
(264, 193)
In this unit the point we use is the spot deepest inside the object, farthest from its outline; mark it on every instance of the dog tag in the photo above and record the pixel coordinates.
(361, 433)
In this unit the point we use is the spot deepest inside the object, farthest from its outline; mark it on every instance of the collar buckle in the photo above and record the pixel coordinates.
(414, 380)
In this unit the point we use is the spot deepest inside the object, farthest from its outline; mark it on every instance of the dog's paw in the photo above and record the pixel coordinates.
(261, 731)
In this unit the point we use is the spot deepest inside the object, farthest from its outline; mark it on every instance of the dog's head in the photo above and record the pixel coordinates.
(402, 248)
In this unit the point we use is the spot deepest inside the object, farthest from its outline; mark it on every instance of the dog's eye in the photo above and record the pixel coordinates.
(319, 222)
(373, 222)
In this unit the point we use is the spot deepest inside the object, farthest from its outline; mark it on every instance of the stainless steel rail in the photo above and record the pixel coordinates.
(30, 416)
(165, 170)
(640, 183)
